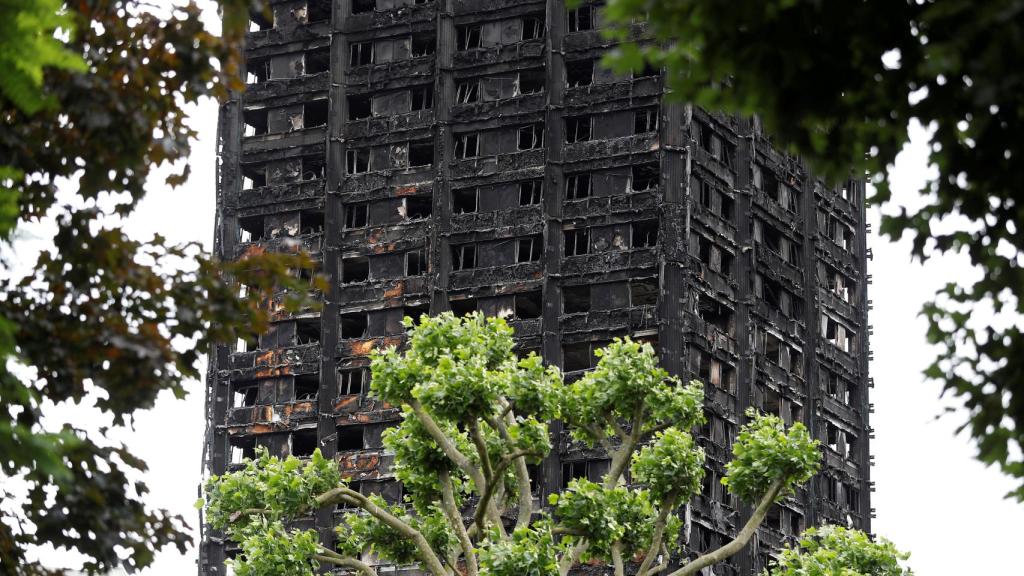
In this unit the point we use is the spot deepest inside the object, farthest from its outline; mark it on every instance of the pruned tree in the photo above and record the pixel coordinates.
(474, 419)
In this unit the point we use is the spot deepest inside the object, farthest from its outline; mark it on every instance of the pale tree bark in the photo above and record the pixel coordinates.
(451, 510)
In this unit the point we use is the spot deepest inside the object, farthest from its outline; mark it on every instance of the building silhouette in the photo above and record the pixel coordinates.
(473, 155)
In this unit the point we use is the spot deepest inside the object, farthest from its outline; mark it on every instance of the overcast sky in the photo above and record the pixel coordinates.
(933, 498)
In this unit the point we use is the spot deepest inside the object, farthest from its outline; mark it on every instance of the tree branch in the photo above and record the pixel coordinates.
(451, 510)
(481, 450)
(622, 456)
(525, 497)
(346, 494)
(566, 562)
(332, 557)
(741, 539)
(620, 570)
(659, 533)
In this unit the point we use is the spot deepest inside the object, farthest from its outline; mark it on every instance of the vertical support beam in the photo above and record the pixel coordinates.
(809, 210)
(673, 234)
(861, 402)
(439, 249)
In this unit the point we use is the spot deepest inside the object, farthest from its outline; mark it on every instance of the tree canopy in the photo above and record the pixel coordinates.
(475, 417)
(91, 101)
(837, 83)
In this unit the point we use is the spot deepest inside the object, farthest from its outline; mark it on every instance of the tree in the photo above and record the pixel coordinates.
(91, 93)
(474, 418)
(838, 83)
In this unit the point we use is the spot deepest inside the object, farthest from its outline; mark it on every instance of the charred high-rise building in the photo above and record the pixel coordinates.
(473, 155)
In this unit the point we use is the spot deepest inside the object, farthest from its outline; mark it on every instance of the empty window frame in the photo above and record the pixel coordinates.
(302, 443)
(423, 44)
(579, 356)
(307, 331)
(531, 136)
(241, 448)
(530, 82)
(527, 305)
(416, 207)
(467, 145)
(254, 176)
(463, 257)
(648, 71)
(643, 234)
(579, 73)
(257, 70)
(467, 37)
(835, 282)
(351, 381)
(644, 177)
(255, 121)
(643, 292)
(354, 325)
(356, 215)
(318, 11)
(579, 128)
(533, 27)
(357, 160)
(360, 54)
(350, 438)
(529, 249)
(577, 242)
(576, 299)
(531, 192)
(244, 394)
(360, 106)
(422, 98)
(463, 306)
(645, 121)
(260, 20)
(837, 334)
(465, 200)
(415, 262)
(577, 186)
(580, 19)
(251, 229)
(415, 311)
(317, 61)
(313, 168)
(421, 154)
(715, 145)
(314, 113)
(467, 91)
(716, 314)
(363, 6)
(307, 387)
(355, 269)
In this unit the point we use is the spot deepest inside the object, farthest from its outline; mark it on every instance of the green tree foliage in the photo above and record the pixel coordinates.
(475, 416)
(91, 93)
(836, 551)
(838, 82)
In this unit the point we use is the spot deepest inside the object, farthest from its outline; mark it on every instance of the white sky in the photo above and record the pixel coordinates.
(933, 498)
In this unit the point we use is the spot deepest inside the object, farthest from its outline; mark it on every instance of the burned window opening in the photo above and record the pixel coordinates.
(303, 443)
(307, 331)
(355, 270)
(313, 168)
(251, 229)
(307, 386)
(311, 222)
(716, 314)
(714, 145)
(467, 91)
(416, 207)
(533, 28)
(648, 71)
(354, 325)
(357, 160)
(421, 154)
(577, 242)
(360, 106)
(260, 20)
(467, 145)
(423, 44)
(463, 257)
(317, 61)
(254, 176)
(363, 6)
(350, 438)
(577, 186)
(465, 200)
(645, 121)
(257, 70)
(529, 249)
(576, 299)
(318, 11)
(644, 234)
(530, 82)
(531, 136)
(644, 177)
(422, 98)
(578, 128)
(467, 37)
(579, 73)
(314, 114)
(357, 215)
(581, 19)
(241, 448)
(244, 394)
(528, 305)
(530, 192)
(360, 54)
(415, 263)
(255, 121)
(350, 381)
(463, 306)
(643, 292)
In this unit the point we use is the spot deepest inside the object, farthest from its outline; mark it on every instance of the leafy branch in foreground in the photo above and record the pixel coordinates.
(475, 417)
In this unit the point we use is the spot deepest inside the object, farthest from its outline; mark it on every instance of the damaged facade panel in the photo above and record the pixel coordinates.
(435, 155)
